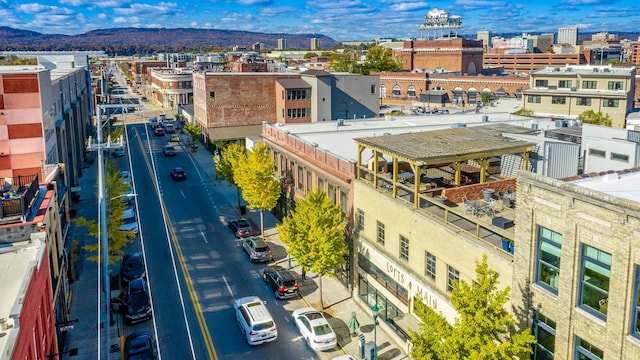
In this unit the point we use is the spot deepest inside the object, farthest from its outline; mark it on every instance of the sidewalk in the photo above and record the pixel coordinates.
(338, 300)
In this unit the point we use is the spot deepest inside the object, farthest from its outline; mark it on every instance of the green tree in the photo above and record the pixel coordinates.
(309, 54)
(115, 207)
(343, 62)
(524, 112)
(596, 118)
(483, 329)
(485, 96)
(255, 176)
(314, 235)
(193, 131)
(229, 156)
(380, 59)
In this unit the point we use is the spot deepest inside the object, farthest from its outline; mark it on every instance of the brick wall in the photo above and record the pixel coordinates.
(474, 192)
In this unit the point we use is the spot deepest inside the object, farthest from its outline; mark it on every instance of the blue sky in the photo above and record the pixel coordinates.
(342, 20)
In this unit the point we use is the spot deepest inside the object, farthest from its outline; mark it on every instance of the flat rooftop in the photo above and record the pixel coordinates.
(338, 139)
(623, 185)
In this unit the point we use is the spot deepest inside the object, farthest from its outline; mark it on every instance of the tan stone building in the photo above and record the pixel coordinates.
(525, 63)
(170, 87)
(576, 268)
(568, 91)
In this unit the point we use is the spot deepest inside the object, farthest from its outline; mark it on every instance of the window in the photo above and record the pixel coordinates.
(610, 102)
(430, 266)
(373, 89)
(635, 321)
(544, 329)
(321, 184)
(359, 220)
(332, 194)
(396, 90)
(212, 94)
(586, 351)
(598, 153)
(453, 277)
(564, 83)
(380, 236)
(588, 84)
(596, 272)
(300, 177)
(542, 83)
(179, 84)
(411, 91)
(309, 181)
(558, 100)
(404, 248)
(619, 157)
(297, 113)
(344, 202)
(615, 85)
(583, 101)
(299, 94)
(548, 263)
(534, 99)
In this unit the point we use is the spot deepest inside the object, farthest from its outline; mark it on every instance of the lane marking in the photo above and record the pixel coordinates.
(228, 287)
(204, 237)
(182, 194)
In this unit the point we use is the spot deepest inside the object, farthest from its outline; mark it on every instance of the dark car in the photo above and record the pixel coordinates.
(283, 283)
(178, 174)
(158, 131)
(257, 249)
(133, 301)
(139, 346)
(241, 228)
(169, 150)
(132, 267)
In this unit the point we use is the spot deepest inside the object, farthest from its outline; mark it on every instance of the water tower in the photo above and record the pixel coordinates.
(439, 24)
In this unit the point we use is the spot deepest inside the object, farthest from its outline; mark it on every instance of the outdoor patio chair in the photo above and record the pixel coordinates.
(491, 208)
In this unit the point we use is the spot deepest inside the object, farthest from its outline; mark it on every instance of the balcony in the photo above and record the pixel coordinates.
(18, 194)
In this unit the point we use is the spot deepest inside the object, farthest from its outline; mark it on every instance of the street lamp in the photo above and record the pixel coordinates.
(374, 310)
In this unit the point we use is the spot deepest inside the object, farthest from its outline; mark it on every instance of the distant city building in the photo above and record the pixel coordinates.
(541, 43)
(258, 47)
(485, 36)
(519, 44)
(563, 48)
(635, 53)
(568, 35)
(315, 44)
(282, 44)
(525, 63)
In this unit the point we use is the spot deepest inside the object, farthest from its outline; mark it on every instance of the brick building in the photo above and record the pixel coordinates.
(170, 87)
(525, 63)
(451, 54)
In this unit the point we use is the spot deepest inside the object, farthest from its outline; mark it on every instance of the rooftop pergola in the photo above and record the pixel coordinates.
(450, 147)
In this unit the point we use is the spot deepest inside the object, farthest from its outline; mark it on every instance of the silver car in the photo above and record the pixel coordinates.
(257, 249)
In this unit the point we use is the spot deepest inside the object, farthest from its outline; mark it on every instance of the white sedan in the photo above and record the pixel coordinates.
(315, 329)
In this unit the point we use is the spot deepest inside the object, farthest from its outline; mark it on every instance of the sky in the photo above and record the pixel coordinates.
(342, 20)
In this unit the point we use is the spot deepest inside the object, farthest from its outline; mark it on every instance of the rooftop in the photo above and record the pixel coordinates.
(622, 184)
(604, 70)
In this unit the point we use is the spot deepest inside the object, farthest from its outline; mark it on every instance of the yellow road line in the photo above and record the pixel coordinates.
(174, 239)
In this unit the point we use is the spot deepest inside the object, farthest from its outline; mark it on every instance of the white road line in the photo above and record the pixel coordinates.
(228, 287)
(204, 237)
(182, 194)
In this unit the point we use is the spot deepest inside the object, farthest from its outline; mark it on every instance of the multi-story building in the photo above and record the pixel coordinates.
(568, 35)
(569, 91)
(282, 44)
(485, 36)
(635, 53)
(253, 65)
(542, 43)
(315, 44)
(27, 322)
(525, 63)
(451, 54)
(171, 87)
(234, 105)
(576, 254)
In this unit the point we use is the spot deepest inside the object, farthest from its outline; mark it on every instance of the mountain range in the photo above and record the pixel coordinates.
(138, 41)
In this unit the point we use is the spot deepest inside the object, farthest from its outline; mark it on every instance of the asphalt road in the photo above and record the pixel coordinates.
(196, 267)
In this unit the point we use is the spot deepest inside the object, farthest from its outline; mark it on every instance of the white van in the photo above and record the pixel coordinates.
(169, 128)
(255, 321)
(130, 223)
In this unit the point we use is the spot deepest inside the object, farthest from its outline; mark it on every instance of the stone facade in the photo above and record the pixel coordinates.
(582, 217)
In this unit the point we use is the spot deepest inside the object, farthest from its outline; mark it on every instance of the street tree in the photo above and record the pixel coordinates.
(256, 177)
(380, 59)
(343, 62)
(596, 118)
(230, 155)
(193, 131)
(314, 235)
(483, 328)
(118, 239)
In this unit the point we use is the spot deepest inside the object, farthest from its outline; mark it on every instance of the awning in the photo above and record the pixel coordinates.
(405, 322)
(234, 132)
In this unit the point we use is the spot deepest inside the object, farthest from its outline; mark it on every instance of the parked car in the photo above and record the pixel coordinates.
(139, 346)
(257, 249)
(254, 320)
(315, 329)
(132, 267)
(178, 174)
(126, 177)
(153, 122)
(129, 222)
(133, 301)
(159, 131)
(169, 150)
(174, 138)
(120, 152)
(283, 283)
(241, 228)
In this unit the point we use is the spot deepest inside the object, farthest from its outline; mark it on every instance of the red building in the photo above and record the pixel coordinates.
(26, 311)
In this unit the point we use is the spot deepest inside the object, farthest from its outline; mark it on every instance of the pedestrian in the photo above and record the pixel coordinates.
(304, 275)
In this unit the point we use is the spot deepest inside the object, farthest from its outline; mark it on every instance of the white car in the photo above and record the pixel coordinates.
(315, 329)
(345, 357)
